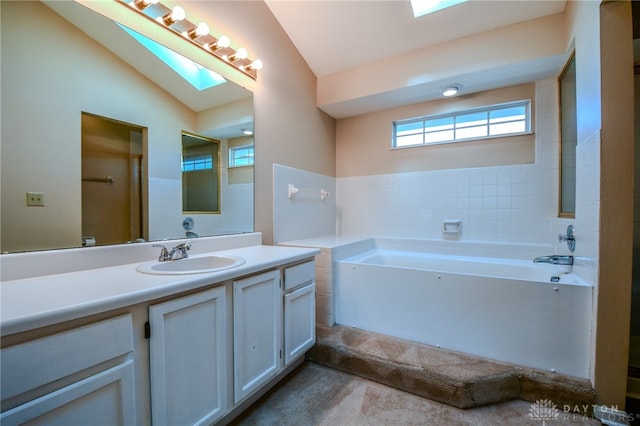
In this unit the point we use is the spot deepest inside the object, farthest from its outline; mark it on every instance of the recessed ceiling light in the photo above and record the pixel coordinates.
(450, 91)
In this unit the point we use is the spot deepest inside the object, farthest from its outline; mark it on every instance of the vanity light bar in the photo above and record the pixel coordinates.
(175, 21)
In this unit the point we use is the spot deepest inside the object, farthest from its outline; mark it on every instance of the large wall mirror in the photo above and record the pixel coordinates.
(61, 62)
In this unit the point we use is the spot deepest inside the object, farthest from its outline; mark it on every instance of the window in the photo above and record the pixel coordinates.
(191, 163)
(240, 156)
(488, 122)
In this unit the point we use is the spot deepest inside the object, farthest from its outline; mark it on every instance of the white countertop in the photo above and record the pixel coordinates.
(35, 302)
(327, 241)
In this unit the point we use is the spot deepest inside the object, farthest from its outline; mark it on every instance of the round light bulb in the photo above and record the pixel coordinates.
(202, 29)
(257, 64)
(223, 41)
(241, 53)
(178, 14)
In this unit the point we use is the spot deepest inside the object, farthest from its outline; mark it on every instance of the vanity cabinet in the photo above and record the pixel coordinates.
(194, 357)
(257, 332)
(70, 377)
(188, 361)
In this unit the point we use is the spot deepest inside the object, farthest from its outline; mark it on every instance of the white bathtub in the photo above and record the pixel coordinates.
(503, 309)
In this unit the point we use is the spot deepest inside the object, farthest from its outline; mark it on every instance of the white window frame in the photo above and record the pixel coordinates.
(422, 134)
(197, 162)
(232, 158)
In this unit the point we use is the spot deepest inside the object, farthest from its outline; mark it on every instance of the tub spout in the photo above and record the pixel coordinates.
(555, 259)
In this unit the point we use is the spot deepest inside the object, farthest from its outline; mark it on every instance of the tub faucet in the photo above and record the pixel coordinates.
(555, 259)
(181, 249)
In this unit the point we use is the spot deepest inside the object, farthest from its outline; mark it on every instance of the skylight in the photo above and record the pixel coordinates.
(195, 74)
(424, 7)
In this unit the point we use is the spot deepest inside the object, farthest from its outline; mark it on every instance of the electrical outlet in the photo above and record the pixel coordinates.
(35, 198)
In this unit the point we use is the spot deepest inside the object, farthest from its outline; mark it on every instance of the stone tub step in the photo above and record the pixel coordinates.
(453, 378)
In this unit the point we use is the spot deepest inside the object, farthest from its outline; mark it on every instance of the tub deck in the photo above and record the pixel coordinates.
(453, 378)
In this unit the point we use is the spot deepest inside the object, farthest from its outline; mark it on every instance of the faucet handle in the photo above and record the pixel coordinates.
(186, 245)
(182, 248)
(570, 238)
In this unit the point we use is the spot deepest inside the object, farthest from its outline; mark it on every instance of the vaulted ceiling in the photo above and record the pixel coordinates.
(350, 44)
(334, 35)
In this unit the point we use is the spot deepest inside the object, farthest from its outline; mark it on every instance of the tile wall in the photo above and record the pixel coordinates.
(304, 214)
(494, 204)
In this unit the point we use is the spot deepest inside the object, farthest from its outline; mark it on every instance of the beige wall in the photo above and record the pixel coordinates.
(616, 203)
(363, 143)
(289, 128)
(418, 75)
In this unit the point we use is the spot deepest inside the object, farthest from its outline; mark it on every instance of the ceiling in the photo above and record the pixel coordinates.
(334, 35)
(338, 35)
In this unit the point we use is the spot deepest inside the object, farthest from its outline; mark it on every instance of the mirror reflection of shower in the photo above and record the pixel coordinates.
(112, 181)
(200, 174)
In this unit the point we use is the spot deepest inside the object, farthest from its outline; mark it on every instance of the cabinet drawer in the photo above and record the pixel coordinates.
(106, 398)
(36, 363)
(299, 274)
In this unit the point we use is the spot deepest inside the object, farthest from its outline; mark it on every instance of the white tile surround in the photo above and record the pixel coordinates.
(587, 220)
(494, 204)
(304, 214)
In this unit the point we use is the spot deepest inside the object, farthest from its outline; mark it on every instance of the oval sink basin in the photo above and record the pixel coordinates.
(191, 265)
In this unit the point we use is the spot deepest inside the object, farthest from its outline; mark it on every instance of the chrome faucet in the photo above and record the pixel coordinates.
(555, 259)
(180, 249)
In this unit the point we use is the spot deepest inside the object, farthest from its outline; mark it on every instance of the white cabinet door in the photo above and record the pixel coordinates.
(257, 335)
(299, 322)
(106, 398)
(188, 362)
